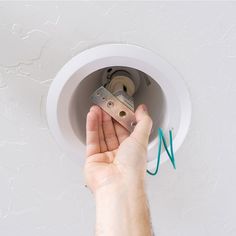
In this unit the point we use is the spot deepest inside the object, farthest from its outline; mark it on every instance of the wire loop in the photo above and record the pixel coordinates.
(170, 153)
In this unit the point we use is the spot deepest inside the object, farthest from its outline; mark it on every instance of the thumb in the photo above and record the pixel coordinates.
(144, 125)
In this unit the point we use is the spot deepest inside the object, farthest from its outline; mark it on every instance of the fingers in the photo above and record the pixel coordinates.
(121, 132)
(109, 132)
(144, 125)
(92, 137)
(98, 111)
(105, 134)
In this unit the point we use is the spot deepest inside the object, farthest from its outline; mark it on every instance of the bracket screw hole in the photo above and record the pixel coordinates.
(122, 114)
(110, 104)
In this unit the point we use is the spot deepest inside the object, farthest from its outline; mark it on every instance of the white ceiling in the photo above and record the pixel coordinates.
(41, 188)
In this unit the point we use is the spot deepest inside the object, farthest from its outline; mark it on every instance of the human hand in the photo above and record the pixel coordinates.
(114, 155)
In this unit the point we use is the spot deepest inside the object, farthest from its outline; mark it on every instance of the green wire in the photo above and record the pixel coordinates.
(170, 154)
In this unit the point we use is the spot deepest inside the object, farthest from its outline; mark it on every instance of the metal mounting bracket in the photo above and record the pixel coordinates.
(114, 107)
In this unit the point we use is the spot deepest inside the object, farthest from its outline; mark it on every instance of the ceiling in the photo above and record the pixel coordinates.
(41, 188)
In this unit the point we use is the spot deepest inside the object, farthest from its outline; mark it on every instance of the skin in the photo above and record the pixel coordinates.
(115, 172)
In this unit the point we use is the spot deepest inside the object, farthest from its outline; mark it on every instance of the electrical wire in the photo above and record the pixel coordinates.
(170, 154)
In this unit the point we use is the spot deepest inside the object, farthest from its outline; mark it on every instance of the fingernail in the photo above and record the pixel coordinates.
(144, 107)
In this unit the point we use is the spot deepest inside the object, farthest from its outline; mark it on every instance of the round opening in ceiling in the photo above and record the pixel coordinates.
(158, 84)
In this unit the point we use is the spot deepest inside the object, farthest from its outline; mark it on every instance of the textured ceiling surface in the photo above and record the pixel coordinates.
(41, 188)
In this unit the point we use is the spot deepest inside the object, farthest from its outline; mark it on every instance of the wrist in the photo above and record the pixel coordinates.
(118, 186)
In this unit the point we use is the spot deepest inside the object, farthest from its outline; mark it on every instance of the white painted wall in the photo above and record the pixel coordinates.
(41, 188)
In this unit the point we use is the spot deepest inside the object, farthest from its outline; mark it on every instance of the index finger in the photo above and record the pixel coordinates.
(92, 135)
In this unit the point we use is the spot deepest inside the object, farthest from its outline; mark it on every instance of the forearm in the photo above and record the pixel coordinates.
(122, 210)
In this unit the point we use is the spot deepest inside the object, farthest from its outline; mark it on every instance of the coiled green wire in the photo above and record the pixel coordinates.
(170, 154)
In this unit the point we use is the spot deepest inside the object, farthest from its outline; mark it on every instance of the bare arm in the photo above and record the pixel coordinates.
(123, 211)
